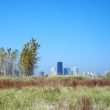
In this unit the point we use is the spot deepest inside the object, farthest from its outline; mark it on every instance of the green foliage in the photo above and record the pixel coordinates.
(67, 77)
(108, 75)
(2, 58)
(29, 57)
(51, 94)
(40, 98)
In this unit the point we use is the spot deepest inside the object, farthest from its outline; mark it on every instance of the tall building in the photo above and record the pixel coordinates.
(75, 71)
(60, 68)
(67, 71)
(41, 74)
(53, 71)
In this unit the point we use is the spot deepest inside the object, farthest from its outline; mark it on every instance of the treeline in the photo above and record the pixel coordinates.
(7, 61)
(13, 63)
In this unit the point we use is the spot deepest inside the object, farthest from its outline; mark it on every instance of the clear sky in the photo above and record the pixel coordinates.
(76, 32)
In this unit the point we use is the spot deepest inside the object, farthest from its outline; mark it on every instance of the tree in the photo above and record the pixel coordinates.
(7, 61)
(24, 60)
(2, 59)
(14, 56)
(29, 57)
(10, 60)
(108, 75)
(33, 55)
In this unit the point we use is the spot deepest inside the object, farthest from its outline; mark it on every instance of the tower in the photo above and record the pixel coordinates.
(67, 71)
(60, 68)
(53, 71)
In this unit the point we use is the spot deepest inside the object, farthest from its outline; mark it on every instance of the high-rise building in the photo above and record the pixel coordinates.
(41, 74)
(75, 71)
(60, 68)
(67, 71)
(53, 71)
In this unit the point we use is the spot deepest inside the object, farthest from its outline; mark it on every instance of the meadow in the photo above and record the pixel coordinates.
(56, 93)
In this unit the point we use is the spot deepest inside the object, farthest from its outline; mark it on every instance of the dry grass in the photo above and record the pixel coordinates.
(43, 82)
(84, 103)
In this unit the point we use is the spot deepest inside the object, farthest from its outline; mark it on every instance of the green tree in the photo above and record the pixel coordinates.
(24, 60)
(29, 57)
(108, 75)
(2, 59)
(33, 55)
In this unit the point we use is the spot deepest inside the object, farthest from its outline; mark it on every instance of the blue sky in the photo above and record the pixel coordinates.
(76, 32)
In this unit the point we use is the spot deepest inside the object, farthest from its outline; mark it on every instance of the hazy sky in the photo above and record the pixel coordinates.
(76, 32)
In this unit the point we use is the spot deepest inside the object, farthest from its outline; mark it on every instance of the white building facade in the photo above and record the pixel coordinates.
(53, 71)
(75, 70)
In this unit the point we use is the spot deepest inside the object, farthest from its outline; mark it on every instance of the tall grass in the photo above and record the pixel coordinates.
(56, 93)
(7, 82)
(31, 98)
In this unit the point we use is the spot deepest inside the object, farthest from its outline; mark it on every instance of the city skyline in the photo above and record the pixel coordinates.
(60, 69)
(74, 32)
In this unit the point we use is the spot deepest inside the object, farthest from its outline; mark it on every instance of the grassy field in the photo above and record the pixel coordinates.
(54, 97)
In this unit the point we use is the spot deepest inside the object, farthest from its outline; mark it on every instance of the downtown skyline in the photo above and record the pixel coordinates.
(74, 32)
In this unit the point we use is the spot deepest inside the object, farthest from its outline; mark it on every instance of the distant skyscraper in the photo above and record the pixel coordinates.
(41, 74)
(75, 71)
(59, 68)
(53, 71)
(67, 71)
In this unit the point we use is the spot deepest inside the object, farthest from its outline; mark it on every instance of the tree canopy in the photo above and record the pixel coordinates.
(29, 57)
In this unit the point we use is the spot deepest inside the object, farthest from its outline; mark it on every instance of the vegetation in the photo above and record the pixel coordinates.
(8, 61)
(29, 58)
(32, 93)
(108, 75)
(56, 98)
(46, 93)
(27, 62)
(84, 103)
(21, 82)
